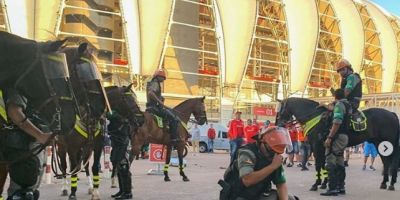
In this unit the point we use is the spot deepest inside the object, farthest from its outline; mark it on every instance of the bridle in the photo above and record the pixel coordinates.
(290, 123)
(55, 122)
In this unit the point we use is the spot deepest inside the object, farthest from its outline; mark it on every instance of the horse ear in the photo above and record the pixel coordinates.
(202, 99)
(279, 100)
(128, 88)
(82, 48)
(55, 46)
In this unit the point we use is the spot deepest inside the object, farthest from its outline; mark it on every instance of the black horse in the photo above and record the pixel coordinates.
(382, 125)
(87, 135)
(37, 70)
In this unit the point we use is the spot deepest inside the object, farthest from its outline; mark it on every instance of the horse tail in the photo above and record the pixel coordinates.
(398, 128)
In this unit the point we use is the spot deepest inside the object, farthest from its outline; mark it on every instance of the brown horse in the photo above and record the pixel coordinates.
(152, 133)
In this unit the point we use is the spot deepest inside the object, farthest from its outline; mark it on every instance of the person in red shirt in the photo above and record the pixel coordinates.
(211, 137)
(250, 130)
(235, 133)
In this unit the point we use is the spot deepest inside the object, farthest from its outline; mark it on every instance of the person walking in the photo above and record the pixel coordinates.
(369, 149)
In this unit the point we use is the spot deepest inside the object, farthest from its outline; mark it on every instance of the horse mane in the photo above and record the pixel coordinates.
(303, 101)
(187, 101)
(309, 107)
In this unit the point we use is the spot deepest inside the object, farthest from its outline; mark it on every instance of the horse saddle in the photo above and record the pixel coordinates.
(358, 121)
(161, 122)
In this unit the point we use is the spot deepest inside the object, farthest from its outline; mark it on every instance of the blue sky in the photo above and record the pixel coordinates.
(392, 6)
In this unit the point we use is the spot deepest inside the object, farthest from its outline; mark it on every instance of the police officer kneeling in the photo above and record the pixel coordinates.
(255, 166)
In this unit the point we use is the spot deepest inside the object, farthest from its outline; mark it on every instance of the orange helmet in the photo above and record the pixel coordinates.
(160, 72)
(342, 64)
(277, 138)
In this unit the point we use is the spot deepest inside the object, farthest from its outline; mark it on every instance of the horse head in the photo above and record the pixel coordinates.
(86, 80)
(39, 72)
(284, 115)
(199, 111)
(299, 109)
(123, 101)
(193, 106)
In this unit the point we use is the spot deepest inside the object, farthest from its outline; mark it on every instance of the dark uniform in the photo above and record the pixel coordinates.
(25, 175)
(120, 131)
(334, 154)
(154, 107)
(249, 159)
(353, 83)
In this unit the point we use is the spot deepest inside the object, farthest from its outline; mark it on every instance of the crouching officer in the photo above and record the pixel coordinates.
(120, 131)
(256, 165)
(23, 133)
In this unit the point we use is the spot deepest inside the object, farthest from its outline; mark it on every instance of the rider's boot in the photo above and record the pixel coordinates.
(127, 184)
(174, 131)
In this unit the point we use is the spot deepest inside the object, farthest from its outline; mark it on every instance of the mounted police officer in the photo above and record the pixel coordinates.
(336, 143)
(24, 132)
(256, 165)
(351, 84)
(155, 103)
(120, 131)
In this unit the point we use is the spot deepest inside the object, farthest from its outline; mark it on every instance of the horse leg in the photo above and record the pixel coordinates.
(167, 161)
(88, 178)
(318, 179)
(385, 172)
(63, 162)
(96, 168)
(393, 168)
(324, 176)
(74, 178)
(181, 167)
(3, 177)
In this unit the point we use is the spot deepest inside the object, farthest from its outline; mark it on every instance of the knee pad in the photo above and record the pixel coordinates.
(330, 166)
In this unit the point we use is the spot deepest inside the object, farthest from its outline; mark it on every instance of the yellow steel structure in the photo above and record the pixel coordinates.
(239, 54)
(3, 17)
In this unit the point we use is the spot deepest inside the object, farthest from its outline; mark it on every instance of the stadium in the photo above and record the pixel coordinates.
(241, 55)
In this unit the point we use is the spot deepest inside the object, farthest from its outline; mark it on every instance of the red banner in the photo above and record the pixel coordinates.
(264, 111)
(157, 153)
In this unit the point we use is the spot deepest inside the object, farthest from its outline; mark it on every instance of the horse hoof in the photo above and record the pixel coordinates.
(90, 191)
(64, 193)
(314, 188)
(323, 187)
(391, 188)
(185, 179)
(72, 197)
(167, 179)
(383, 186)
